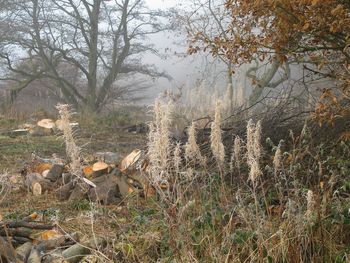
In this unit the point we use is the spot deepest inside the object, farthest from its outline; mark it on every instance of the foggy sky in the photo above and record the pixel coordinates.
(161, 3)
(184, 71)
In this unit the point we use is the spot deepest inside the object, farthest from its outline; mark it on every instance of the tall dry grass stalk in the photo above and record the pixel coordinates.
(159, 145)
(277, 159)
(236, 154)
(200, 100)
(192, 151)
(250, 142)
(239, 95)
(257, 141)
(72, 150)
(177, 158)
(217, 146)
(5, 186)
(310, 199)
(254, 149)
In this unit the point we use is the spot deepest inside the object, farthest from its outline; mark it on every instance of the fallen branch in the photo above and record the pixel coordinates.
(15, 224)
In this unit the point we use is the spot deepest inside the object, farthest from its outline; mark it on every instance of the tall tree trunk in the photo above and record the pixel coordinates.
(93, 56)
(117, 59)
(230, 85)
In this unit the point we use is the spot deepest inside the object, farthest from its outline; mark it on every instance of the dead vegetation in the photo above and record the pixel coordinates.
(212, 198)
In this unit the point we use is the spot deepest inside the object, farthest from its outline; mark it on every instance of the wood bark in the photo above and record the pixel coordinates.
(46, 245)
(96, 174)
(19, 232)
(24, 250)
(41, 131)
(7, 252)
(106, 190)
(63, 193)
(54, 258)
(37, 183)
(34, 256)
(75, 253)
(55, 172)
(78, 193)
(16, 133)
(14, 224)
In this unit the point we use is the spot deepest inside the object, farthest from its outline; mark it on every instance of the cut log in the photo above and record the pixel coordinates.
(54, 258)
(15, 224)
(16, 241)
(46, 245)
(106, 190)
(55, 172)
(87, 170)
(50, 234)
(96, 170)
(45, 173)
(41, 167)
(75, 253)
(138, 128)
(41, 131)
(34, 256)
(63, 193)
(98, 173)
(64, 179)
(59, 124)
(46, 123)
(78, 193)
(24, 250)
(129, 160)
(32, 217)
(37, 184)
(123, 186)
(99, 166)
(7, 252)
(108, 157)
(18, 132)
(21, 240)
(19, 232)
(27, 126)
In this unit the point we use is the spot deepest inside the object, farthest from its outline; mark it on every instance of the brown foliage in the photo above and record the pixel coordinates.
(285, 27)
(312, 33)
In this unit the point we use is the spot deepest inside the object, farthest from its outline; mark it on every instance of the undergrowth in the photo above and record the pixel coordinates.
(286, 202)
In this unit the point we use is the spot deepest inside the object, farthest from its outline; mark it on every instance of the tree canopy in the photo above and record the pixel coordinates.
(312, 33)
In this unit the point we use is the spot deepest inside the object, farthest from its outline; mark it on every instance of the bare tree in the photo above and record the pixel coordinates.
(203, 20)
(104, 40)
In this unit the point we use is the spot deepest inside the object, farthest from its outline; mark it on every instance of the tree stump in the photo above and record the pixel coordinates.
(37, 184)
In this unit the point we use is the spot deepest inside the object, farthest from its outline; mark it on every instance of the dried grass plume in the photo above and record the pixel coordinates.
(217, 146)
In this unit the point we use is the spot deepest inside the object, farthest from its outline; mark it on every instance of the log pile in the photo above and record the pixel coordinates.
(106, 183)
(30, 240)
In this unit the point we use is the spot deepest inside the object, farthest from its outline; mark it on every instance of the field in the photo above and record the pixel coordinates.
(260, 201)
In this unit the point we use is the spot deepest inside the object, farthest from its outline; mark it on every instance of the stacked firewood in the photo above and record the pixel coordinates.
(105, 181)
(30, 240)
